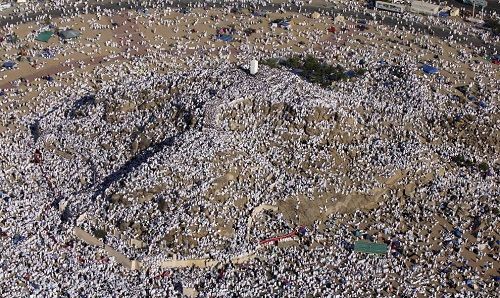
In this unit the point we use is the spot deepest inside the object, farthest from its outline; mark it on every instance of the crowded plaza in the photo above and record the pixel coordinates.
(192, 149)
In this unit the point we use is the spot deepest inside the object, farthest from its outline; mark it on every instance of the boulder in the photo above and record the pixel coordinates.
(127, 106)
(410, 189)
(137, 243)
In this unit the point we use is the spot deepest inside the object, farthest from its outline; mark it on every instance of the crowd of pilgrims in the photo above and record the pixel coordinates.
(163, 156)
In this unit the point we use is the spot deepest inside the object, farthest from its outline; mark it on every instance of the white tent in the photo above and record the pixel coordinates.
(339, 19)
(315, 15)
(454, 12)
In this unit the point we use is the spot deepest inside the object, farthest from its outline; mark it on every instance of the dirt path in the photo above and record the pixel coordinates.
(119, 257)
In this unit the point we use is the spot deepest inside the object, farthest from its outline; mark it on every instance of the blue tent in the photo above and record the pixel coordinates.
(457, 232)
(284, 24)
(458, 117)
(8, 64)
(350, 73)
(142, 10)
(429, 69)
(48, 78)
(17, 239)
(225, 37)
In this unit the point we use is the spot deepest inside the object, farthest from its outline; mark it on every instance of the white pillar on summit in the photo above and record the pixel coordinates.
(254, 66)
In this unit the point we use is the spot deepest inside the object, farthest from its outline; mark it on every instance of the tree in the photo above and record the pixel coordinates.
(461, 161)
(293, 62)
(360, 71)
(271, 62)
(494, 25)
(483, 167)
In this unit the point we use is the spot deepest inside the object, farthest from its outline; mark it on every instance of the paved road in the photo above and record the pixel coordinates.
(441, 32)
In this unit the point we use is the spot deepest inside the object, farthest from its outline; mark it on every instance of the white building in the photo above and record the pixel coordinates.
(395, 7)
(424, 8)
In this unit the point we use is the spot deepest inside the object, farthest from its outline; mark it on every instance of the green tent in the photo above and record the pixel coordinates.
(44, 36)
(370, 247)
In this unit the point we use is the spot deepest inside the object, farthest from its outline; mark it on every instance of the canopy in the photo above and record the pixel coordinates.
(69, 33)
(259, 13)
(370, 247)
(429, 69)
(44, 36)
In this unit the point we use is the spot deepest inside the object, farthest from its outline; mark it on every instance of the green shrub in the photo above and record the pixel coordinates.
(483, 167)
(99, 233)
(494, 25)
(461, 161)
